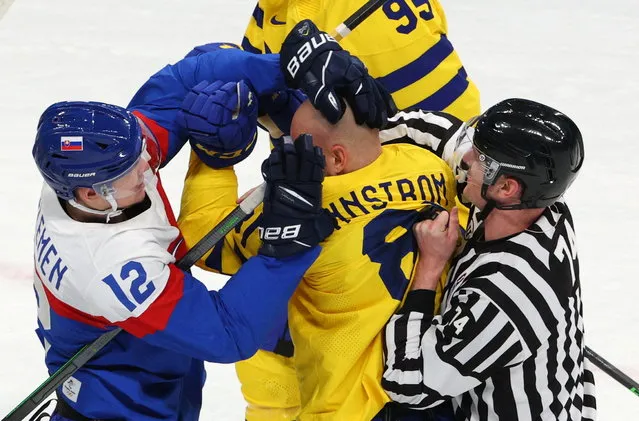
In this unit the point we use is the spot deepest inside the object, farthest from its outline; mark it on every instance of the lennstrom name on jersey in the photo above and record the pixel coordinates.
(371, 198)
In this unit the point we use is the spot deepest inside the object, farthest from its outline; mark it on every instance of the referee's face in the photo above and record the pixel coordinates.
(474, 178)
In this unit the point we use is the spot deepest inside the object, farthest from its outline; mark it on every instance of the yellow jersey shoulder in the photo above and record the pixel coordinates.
(404, 45)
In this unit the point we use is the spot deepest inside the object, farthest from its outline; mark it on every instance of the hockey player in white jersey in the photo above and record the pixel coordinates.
(104, 253)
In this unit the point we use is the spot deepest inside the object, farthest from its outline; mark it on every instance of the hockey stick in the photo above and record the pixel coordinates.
(216, 234)
(345, 28)
(612, 371)
(87, 352)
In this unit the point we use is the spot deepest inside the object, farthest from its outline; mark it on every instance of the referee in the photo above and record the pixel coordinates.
(509, 342)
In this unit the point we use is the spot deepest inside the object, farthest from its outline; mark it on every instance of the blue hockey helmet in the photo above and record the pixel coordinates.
(86, 144)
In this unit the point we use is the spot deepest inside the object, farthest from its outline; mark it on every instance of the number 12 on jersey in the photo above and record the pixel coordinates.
(139, 289)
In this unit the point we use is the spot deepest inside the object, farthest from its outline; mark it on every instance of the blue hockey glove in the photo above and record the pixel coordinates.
(280, 107)
(314, 62)
(213, 46)
(293, 218)
(221, 119)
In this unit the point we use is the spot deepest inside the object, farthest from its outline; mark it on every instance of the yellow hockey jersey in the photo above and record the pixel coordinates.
(404, 45)
(341, 306)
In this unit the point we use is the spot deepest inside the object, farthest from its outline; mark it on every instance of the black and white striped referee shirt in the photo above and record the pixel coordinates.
(509, 342)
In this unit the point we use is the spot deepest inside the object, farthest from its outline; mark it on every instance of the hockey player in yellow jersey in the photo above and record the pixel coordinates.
(336, 315)
(404, 45)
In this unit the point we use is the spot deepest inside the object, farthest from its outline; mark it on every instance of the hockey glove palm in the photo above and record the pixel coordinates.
(221, 119)
(314, 62)
(293, 218)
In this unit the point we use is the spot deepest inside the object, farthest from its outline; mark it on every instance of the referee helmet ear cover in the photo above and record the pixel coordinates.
(534, 143)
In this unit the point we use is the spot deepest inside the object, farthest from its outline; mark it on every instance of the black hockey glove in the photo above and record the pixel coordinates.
(293, 218)
(314, 62)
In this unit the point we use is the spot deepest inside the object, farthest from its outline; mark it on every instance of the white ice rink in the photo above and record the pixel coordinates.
(581, 57)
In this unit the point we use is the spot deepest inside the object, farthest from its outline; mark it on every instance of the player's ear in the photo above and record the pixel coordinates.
(85, 195)
(339, 157)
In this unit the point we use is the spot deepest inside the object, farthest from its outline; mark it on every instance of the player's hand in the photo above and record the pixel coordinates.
(277, 110)
(221, 120)
(436, 239)
(293, 219)
(314, 62)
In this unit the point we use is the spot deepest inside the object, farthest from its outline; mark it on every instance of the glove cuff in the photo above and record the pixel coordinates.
(216, 158)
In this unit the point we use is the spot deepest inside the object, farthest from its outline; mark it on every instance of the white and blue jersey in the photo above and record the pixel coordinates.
(94, 277)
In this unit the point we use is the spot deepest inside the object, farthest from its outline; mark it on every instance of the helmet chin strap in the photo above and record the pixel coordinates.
(490, 203)
(109, 213)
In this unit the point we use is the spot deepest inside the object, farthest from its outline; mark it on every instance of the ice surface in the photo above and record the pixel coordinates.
(579, 56)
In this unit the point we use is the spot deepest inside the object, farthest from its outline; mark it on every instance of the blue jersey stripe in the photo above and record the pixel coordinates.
(258, 14)
(247, 46)
(447, 94)
(418, 68)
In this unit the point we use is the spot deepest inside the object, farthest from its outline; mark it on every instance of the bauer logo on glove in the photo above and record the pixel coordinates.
(311, 60)
(305, 51)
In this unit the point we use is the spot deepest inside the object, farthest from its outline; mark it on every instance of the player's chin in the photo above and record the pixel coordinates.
(139, 196)
(133, 199)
